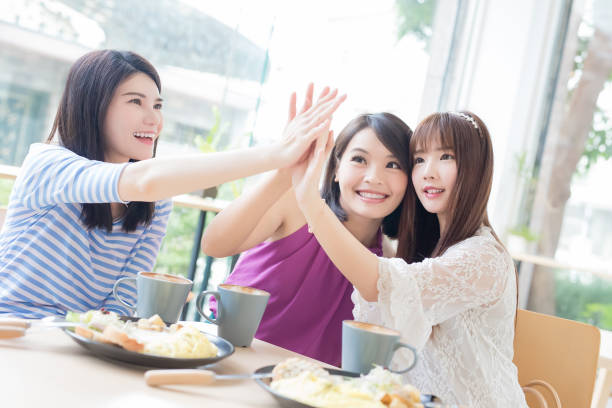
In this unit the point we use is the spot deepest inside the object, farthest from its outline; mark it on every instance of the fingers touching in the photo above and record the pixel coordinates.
(324, 92)
(311, 123)
(319, 131)
(308, 98)
(326, 107)
(292, 101)
(327, 103)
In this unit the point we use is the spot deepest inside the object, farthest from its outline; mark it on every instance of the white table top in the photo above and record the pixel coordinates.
(46, 368)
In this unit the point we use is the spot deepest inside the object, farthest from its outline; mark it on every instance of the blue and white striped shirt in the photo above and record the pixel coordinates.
(50, 262)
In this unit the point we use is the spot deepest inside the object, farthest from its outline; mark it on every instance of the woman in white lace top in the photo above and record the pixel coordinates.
(451, 291)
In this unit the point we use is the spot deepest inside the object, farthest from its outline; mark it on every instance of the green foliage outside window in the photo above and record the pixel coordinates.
(587, 302)
(5, 191)
(599, 142)
(175, 253)
(415, 17)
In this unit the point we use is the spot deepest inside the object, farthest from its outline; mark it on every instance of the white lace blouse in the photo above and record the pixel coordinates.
(458, 311)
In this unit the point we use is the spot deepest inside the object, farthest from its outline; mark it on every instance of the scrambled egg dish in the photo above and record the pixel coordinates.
(150, 336)
(379, 389)
(186, 342)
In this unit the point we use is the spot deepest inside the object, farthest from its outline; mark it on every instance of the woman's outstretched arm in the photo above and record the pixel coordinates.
(158, 178)
(355, 261)
(258, 213)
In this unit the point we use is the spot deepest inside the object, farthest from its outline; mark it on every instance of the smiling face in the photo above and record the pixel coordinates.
(433, 175)
(133, 120)
(371, 181)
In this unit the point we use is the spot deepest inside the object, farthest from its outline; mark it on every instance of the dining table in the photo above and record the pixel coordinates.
(46, 368)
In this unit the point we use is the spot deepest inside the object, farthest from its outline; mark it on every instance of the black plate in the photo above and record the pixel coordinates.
(113, 352)
(286, 402)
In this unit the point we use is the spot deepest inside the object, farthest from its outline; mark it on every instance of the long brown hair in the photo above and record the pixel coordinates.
(90, 86)
(469, 138)
(394, 134)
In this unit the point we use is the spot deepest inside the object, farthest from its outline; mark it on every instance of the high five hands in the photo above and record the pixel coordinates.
(310, 126)
(306, 174)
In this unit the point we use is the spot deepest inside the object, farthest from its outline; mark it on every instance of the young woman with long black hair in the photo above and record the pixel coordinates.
(91, 205)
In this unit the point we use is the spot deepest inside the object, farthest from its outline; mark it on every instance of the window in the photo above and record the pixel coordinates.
(227, 69)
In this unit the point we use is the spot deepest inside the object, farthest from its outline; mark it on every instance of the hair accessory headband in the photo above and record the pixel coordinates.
(467, 117)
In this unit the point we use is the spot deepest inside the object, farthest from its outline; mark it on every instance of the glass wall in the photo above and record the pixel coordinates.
(538, 73)
(227, 70)
(587, 218)
(568, 209)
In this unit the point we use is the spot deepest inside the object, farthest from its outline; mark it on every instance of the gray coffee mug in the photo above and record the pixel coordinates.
(366, 344)
(158, 293)
(239, 311)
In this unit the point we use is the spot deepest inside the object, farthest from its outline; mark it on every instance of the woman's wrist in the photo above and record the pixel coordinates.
(273, 155)
(313, 209)
(279, 155)
(282, 178)
(283, 174)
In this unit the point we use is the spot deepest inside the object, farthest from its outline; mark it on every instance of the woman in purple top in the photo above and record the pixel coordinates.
(364, 185)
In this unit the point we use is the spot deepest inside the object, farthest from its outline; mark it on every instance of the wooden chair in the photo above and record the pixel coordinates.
(603, 384)
(561, 353)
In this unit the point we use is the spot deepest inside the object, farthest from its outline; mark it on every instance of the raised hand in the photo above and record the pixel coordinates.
(305, 175)
(306, 126)
(307, 100)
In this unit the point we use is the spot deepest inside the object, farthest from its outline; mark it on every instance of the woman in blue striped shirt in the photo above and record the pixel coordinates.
(91, 205)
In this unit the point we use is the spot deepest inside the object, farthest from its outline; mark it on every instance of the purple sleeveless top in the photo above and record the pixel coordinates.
(309, 297)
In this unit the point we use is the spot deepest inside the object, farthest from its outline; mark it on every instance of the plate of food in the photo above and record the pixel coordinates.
(146, 342)
(297, 383)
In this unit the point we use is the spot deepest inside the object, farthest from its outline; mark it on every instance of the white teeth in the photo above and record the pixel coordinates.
(144, 135)
(371, 195)
(434, 191)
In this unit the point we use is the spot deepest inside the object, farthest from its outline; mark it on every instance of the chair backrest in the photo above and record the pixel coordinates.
(561, 352)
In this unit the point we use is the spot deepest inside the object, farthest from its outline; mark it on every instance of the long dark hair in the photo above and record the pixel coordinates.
(78, 124)
(471, 142)
(394, 134)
